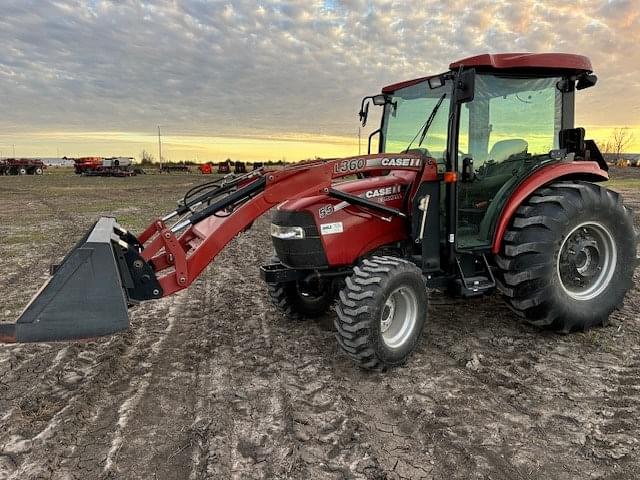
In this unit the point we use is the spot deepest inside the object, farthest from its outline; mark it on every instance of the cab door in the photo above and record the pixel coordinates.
(509, 128)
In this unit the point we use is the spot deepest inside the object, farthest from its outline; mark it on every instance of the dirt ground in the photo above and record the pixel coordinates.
(214, 383)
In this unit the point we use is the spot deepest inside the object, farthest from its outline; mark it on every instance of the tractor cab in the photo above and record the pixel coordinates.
(503, 115)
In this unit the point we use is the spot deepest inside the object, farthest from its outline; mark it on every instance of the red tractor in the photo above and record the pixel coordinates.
(481, 181)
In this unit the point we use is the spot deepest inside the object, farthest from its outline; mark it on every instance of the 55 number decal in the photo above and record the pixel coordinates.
(325, 211)
(352, 165)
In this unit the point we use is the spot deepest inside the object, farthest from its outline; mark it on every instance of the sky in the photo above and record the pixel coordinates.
(258, 80)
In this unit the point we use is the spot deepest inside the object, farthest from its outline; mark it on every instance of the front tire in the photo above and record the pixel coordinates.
(567, 259)
(382, 312)
(299, 301)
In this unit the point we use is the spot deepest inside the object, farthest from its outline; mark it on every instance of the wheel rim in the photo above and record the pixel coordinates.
(399, 317)
(587, 261)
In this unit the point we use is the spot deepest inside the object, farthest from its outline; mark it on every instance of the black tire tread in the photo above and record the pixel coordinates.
(284, 297)
(353, 323)
(281, 300)
(526, 254)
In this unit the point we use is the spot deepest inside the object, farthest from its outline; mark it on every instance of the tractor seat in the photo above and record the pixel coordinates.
(504, 149)
(499, 176)
(505, 158)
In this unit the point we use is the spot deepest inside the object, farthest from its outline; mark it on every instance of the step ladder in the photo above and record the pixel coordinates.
(475, 276)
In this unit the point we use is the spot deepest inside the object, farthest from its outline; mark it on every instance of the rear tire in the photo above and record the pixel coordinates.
(39, 171)
(568, 257)
(22, 171)
(382, 312)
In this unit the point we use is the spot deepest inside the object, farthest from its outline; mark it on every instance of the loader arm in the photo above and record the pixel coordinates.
(110, 269)
(178, 260)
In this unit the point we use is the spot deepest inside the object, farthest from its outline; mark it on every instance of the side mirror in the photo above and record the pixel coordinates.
(379, 100)
(364, 112)
(468, 174)
(585, 81)
(436, 82)
(465, 86)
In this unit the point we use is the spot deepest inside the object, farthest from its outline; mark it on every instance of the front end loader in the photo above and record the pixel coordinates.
(481, 183)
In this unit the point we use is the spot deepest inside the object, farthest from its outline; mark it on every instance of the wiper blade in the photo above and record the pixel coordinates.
(425, 127)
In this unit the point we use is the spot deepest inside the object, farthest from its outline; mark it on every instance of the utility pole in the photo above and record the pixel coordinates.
(14, 150)
(159, 149)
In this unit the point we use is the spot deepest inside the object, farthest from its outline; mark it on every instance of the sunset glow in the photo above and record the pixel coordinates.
(280, 81)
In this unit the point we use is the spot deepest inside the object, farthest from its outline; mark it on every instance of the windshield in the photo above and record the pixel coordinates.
(406, 115)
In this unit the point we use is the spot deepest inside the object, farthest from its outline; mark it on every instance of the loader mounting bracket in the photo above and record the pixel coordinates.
(137, 275)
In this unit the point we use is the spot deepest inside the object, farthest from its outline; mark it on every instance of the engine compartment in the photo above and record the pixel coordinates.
(338, 233)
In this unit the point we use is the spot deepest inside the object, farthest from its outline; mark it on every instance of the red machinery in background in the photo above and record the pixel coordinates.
(22, 166)
(224, 167)
(104, 167)
(206, 168)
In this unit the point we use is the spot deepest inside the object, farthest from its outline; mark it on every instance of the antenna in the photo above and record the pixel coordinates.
(159, 149)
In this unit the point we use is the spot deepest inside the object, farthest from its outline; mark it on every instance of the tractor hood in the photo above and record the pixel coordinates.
(383, 189)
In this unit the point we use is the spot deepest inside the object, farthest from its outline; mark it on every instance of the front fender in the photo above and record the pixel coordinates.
(577, 170)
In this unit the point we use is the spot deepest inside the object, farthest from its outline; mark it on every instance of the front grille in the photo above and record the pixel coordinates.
(299, 253)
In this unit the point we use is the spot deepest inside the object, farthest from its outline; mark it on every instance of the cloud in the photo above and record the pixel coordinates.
(271, 67)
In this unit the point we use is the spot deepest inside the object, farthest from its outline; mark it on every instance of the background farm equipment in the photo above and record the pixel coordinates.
(175, 168)
(206, 168)
(465, 195)
(240, 167)
(104, 167)
(224, 167)
(21, 166)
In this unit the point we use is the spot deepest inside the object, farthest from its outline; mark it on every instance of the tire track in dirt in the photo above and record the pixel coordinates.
(102, 367)
(270, 412)
(613, 436)
(243, 408)
(52, 251)
(163, 412)
(156, 424)
(495, 386)
(616, 435)
(514, 386)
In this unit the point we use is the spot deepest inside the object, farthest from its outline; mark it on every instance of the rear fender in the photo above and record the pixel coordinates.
(577, 170)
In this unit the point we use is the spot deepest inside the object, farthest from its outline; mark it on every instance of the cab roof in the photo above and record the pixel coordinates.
(511, 61)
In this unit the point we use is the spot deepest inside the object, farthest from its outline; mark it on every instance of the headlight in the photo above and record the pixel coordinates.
(286, 233)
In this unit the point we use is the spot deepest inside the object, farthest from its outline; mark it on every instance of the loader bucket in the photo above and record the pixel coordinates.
(83, 298)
